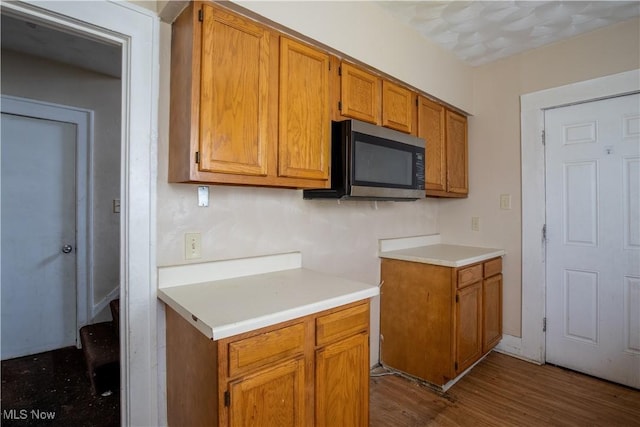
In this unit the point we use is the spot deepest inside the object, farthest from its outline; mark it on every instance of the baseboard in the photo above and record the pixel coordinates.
(512, 346)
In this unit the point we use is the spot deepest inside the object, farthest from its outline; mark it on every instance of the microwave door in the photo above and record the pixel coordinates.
(381, 168)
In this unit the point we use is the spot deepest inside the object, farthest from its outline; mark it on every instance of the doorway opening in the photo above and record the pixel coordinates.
(61, 205)
(136, 31)
(531, 345)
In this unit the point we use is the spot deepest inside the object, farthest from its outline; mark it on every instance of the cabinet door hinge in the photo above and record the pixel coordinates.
(455, 366)
(417, 103)
(197, 157)
(543, 137)
(339, 71)
(200, 15)
(544, 232)
(457, 298)
(544, 324)
(227, 398)
(340, 105)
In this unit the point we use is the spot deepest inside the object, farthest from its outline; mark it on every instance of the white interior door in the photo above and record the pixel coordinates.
(593, 238)
(38, 220)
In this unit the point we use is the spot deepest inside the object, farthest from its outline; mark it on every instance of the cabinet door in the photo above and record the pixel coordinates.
(304, 123)
(491, 312)
(274, 397)
(457, 161)
(234, 92)
(431, 127)
(468, 326)
(397, 107)
(342, 383)
(360, 94)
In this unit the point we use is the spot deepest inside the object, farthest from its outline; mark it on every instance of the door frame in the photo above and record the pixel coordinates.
(531, 346)
(136, 30)
(83, 119)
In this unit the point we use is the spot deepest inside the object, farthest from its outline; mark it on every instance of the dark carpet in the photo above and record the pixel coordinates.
(52, 389)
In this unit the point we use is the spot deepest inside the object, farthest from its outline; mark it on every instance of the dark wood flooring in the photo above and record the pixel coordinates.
(505, 391)
(52, 389)
(499, 391)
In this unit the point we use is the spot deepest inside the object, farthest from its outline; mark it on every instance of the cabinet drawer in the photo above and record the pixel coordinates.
(341, 324)
(469, 275)
(251, 353)
(492, 267)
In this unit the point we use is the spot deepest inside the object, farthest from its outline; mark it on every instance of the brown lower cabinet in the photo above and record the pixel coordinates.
(313, 370)
(437, 321)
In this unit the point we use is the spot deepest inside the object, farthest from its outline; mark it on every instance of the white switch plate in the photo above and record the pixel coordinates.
(203, 196)
(505, 201)
(475, 223)
(192, 246)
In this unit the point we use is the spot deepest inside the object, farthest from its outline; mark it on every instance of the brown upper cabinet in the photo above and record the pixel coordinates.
(234, 94)
(304, 122)
(370, 98)
(251, 105)
(398, 107)
(447, 149)
(247, 105)
(359, 94)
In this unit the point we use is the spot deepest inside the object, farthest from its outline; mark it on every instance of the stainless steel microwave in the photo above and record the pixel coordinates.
(370, 162)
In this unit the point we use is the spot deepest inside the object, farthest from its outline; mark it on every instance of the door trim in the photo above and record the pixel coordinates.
(532, 106)
(83, 119)
(136, 30)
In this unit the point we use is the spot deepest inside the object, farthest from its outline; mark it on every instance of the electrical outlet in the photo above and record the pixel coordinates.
(192, 246)
(475, 223)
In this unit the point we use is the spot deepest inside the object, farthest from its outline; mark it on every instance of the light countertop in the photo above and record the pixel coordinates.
(443, 254)
(230, 306)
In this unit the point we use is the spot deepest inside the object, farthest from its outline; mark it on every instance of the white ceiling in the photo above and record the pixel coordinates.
(37, 39)
(479, 32)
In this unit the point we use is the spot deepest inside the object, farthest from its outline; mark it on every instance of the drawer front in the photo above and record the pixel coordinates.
(342, 324)
(492, 267)
(251, 353)
(469, 275)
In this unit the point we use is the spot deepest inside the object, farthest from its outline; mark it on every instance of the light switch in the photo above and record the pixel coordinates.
(505, 201)
(116, 205)
(192, 246)
(475, 223)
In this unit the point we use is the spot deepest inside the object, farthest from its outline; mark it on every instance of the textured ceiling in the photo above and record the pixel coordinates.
(479, 32)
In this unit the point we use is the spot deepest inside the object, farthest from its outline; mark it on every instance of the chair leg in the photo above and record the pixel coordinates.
(100, 345)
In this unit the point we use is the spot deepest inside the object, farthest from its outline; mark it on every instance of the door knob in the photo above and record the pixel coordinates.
(66, 249)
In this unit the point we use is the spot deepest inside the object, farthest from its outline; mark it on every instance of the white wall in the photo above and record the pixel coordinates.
(30, 77)
(365, 32)
(336, 238)
(494, 141)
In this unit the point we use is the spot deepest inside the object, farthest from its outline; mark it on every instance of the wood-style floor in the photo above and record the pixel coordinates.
(504, 391)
